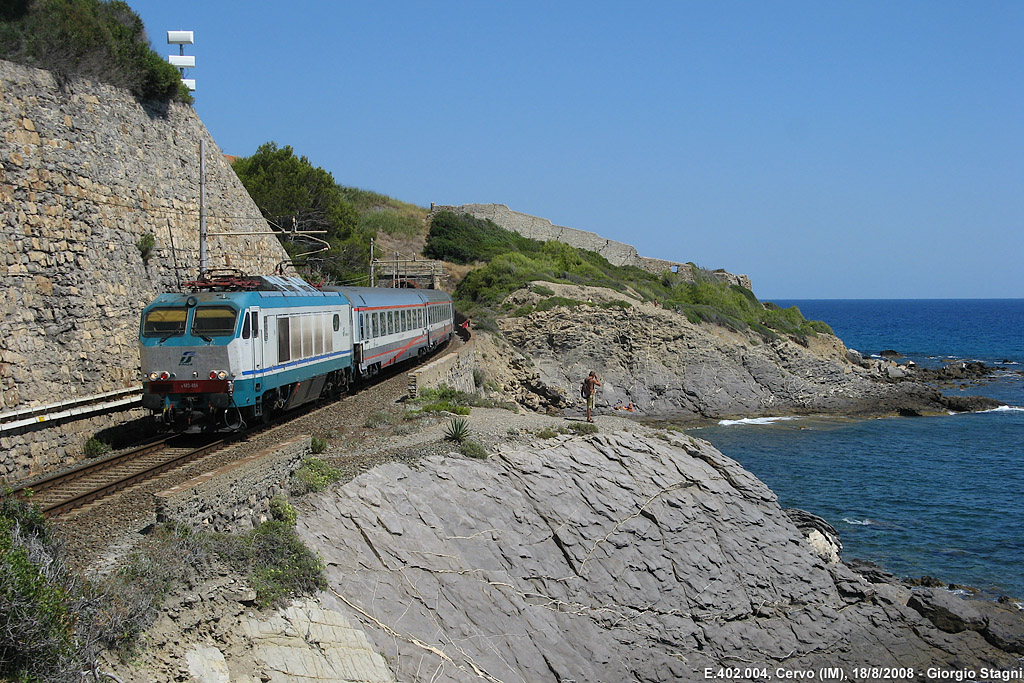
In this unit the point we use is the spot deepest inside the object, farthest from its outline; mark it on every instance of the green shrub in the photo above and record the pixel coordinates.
(464, 239)
(446, 407)
(377, 419)
(583, 428)
(94, 448)
(554, 301)
(472, 449)
(145, 246)
(548, 433)
(317, 445)
(283, 511)
(279, 564)
(314, 475)
(457, 430)
(543, 291)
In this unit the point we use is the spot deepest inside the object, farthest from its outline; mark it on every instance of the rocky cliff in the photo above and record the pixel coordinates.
(89, 176)
(628, 556)
(670, 367)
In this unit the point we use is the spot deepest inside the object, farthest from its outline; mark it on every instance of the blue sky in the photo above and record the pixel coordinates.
(826, 149)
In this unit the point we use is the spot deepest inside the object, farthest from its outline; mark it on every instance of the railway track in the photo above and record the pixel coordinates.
(64, 491)
(70, 489)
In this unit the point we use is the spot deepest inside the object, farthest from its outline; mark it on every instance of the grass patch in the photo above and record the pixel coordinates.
(314, 475)
(548, 433)
(583, 428)
(472, 449)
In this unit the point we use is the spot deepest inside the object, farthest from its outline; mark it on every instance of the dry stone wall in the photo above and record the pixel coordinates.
(86, 173)
(235, 496)
(617, 253)
(454, 370)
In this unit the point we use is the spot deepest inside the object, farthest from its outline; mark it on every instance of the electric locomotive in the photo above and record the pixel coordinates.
(236, 349)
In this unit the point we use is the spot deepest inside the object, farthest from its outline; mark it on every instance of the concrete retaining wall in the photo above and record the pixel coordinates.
(235, 496)
(454, 370)
(617, 253)
(87, 170)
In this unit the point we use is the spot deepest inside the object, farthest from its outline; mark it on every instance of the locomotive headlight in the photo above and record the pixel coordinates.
(222, 375)
(213, 374)
(154, 376)
(165, 375)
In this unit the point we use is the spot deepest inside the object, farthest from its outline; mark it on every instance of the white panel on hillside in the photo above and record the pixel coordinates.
(190, 83)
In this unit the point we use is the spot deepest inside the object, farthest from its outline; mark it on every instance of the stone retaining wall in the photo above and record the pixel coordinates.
(454, 370)
(235, 496)
(86, 172)
(617, 253)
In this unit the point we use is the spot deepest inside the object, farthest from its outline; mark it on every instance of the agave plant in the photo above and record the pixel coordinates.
(457, 429)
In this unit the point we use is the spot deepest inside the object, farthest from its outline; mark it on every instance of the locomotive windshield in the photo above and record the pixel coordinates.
(214, 321)
(164, 322)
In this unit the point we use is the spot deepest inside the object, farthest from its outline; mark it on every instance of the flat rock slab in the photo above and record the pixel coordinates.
(609, 558)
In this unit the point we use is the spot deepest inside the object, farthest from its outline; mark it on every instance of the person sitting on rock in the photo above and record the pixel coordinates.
(590, 385)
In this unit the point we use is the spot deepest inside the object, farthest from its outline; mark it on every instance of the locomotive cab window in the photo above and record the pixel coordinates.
(214, 321)
(164, 322)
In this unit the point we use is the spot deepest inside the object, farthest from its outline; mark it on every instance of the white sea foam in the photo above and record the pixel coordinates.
(858, 522)
(1003, 409)
(754, 421)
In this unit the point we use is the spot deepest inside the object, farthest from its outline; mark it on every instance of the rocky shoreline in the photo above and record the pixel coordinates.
(631, 554)
(671, 368)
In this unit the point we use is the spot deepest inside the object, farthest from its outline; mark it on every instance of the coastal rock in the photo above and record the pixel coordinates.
(948, 612)
(822, 536)
(608, 558)
(968, 403)
(668, 366)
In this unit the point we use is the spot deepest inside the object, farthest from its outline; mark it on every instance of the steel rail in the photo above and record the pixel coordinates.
(113, 487)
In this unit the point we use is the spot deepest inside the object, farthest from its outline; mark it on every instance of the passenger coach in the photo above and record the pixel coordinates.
(393, 325)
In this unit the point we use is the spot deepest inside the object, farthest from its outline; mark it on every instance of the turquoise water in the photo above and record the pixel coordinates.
(936, 496)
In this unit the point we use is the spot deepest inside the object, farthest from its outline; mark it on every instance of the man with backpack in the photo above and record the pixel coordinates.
(589, 392)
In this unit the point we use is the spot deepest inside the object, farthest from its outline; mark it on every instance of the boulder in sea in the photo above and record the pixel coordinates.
(890, 353)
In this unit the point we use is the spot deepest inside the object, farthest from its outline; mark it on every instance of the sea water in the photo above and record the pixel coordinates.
(930, 496)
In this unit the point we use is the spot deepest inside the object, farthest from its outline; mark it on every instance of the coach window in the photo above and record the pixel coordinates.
(255, 325)
(391, 322)
(246, 329)
(362, 335)
(337, 321)
(405, 320)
